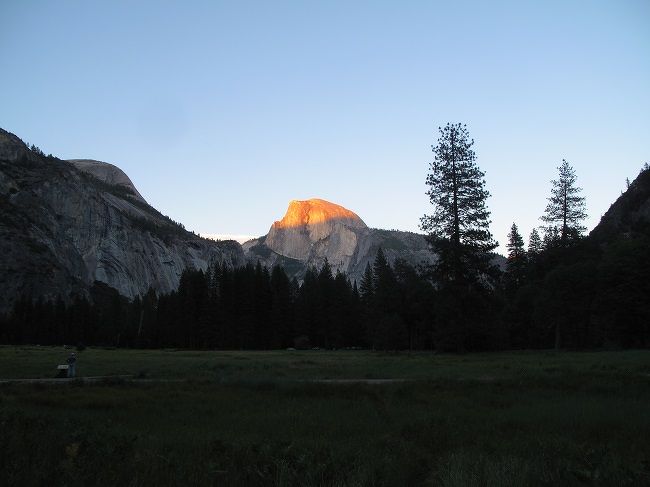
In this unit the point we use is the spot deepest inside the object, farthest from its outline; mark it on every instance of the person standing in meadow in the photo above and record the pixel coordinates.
(72, 362)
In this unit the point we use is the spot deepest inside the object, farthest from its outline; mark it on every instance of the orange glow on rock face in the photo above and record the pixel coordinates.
(315, 221)
(314, 211)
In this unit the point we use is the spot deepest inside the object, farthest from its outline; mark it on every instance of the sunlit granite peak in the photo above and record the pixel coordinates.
(314, 230)
(315, 211)
(310, 222)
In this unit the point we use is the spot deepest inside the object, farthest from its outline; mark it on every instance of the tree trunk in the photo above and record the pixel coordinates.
(456, 235)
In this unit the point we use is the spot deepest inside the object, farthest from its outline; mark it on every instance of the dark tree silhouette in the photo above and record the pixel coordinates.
(367, 288)
(516, 264)
(458, 228)
(535, 245)
(515, 246)
(458, 231)
(566, 208)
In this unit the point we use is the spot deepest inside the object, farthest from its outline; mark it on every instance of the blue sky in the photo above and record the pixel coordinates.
(222, 112)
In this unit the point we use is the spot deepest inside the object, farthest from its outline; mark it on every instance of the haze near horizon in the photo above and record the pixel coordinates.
(223, 113)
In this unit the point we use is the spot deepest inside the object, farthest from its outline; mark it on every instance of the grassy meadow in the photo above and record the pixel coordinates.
(257, 418)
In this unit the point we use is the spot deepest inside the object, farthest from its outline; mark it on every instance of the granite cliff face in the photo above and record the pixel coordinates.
(107, 173)
(65, 225)
(314, 230)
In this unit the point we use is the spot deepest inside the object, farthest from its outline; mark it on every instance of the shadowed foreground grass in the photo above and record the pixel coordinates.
(489, 419)
(40, 362)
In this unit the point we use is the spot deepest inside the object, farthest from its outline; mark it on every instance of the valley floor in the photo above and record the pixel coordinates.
(258, 418)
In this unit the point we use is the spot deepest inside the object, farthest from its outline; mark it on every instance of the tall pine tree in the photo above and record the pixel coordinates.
(535, 245)
(458, 229)
(566, 208)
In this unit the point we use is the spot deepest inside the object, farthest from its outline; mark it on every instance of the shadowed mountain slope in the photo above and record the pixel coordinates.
(629, 214)
(65, 225)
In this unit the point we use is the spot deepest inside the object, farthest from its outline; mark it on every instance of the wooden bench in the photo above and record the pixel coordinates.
(62, 371)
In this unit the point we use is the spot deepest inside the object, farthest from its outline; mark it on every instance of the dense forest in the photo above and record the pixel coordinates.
(586, 296)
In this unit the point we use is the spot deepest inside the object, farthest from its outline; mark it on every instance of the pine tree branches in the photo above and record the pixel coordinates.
(458, 228)
(566, 208)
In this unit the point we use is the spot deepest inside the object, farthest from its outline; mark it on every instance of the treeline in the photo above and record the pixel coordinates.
(588, 295)
(575, 292)
(584, 296)
(250, 307)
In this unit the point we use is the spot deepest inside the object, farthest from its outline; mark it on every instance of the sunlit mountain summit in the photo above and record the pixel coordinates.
(314, 211)
(314, 230)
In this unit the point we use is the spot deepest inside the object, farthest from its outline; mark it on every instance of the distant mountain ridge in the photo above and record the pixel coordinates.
(66, 225)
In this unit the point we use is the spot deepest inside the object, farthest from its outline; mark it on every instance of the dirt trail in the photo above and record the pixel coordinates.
(65, 380)
(132, 378)
(356, 381)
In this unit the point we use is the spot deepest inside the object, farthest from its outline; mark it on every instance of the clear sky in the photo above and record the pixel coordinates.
(222, 112)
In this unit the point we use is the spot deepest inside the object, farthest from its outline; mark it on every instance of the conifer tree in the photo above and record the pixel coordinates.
(535, 245)
(366, 289)
(458, 228)
(566, 208)
(515, 244)
(385, 283)
(367, 299)
(388, 331)
(516, 264)
(281, 310)
(325, 291)
(551, 238)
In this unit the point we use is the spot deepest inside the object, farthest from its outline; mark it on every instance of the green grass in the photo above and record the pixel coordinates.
(40, 362)
(529, 418)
